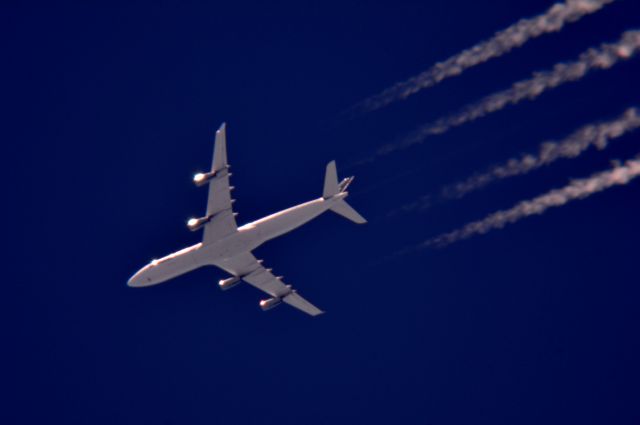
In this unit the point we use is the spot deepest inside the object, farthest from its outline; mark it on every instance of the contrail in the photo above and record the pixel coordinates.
(603, 57)
(598, 135)
(577, 189)
(501, 43)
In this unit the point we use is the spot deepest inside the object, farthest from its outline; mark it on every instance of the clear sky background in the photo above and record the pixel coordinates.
(109, 109)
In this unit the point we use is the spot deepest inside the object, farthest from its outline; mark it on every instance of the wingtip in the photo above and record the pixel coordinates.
(223, 127)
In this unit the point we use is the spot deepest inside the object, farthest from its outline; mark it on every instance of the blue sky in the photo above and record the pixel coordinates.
(110, 109)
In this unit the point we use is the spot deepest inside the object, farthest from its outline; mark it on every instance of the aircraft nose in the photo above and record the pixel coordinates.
(133, 281)
(138, 279)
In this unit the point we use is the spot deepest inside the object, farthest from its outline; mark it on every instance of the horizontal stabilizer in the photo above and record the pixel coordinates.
(345, 210)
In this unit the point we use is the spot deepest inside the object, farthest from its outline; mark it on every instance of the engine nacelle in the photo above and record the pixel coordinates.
(270, 303)
(195, 223)
(201, 179)
(229, 283)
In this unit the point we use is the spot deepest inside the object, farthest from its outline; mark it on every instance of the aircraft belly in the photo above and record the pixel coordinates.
(288, 220)
(172, 268)
(228, 247)
(175, 269)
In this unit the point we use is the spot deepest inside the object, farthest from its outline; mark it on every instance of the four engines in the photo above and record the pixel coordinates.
(193, 224)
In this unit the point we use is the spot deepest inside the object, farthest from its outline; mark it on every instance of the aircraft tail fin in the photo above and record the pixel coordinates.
(333, 188)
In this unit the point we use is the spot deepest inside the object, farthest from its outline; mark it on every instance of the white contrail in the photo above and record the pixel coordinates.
(603, 57)
(598, 135)
(577, 189)
(502, 42)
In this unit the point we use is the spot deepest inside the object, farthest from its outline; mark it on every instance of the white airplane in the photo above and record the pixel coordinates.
(229, 247)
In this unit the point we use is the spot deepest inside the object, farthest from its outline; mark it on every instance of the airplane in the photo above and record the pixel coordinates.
(229, 247)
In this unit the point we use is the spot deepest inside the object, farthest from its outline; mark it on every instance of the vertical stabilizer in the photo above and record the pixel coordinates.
(330, 181)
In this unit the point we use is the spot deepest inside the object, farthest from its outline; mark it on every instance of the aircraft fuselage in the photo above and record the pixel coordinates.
(247, 238)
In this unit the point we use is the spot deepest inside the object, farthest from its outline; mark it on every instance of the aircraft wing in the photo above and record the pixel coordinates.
(222, 222)
(251, 271)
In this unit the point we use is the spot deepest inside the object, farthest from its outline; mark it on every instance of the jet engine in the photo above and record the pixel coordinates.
(229, 283)
(195, 223)
(270, 303)
(201, 179)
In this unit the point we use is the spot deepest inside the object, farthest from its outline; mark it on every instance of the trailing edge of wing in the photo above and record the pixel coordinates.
(247, 267)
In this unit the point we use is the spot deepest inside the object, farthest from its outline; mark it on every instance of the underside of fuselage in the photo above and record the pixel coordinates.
(245, 239)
